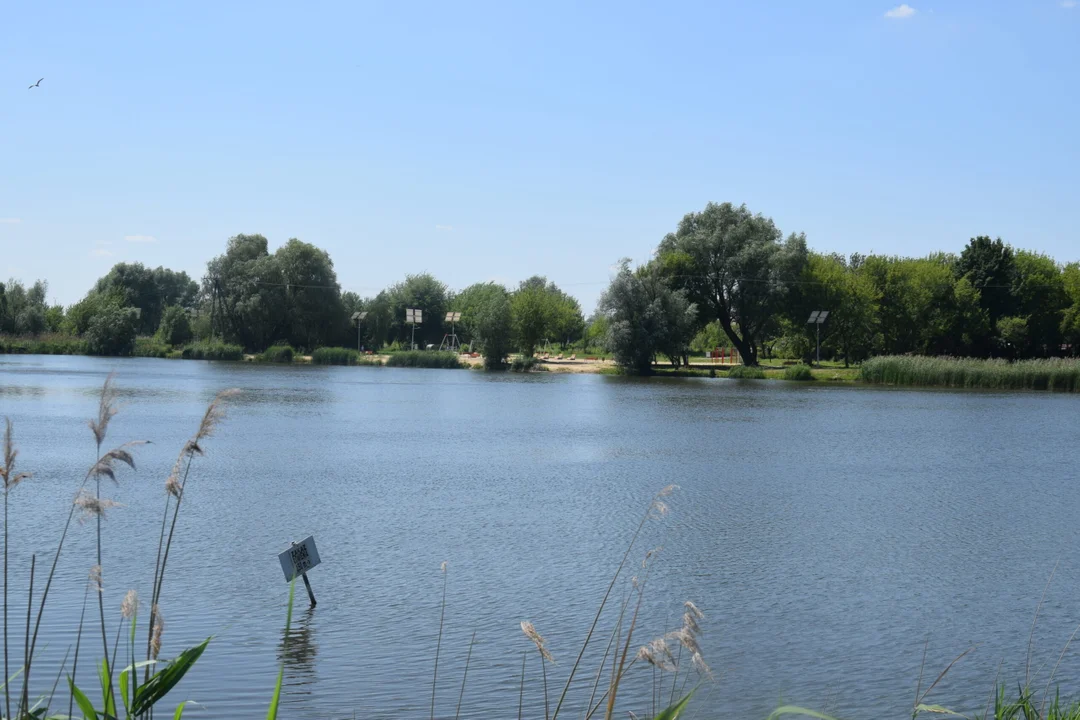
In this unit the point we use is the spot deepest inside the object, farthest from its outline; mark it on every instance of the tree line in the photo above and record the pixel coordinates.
(725, 277)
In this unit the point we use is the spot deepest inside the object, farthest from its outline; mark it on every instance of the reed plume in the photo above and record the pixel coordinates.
(10, 479)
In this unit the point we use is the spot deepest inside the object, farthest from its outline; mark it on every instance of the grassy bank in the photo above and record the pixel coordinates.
(1057, 374)
(424, 359)
(50, 344)
(342, 356)
(212, 350)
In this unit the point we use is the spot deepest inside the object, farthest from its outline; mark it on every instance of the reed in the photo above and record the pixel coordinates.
(424, 359)
(1054, 374)
(47, 344)
(277, 354)
(800, 373)
(342, 356)
(149, 347)
(212, 350)
(137, 700)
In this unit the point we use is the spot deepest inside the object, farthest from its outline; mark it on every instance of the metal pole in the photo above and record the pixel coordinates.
(358, 336)
(307, 584)
(818, 343)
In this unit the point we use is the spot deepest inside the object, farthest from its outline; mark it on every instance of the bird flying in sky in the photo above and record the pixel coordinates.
(37, 84)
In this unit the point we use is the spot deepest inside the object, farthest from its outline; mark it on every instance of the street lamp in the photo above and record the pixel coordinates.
(818, 318)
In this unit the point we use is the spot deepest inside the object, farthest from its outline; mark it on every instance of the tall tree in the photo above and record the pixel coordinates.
(291, 296)
(646, 317)
(486, 317)
(1070, 321)
(736, 267)
(990, 266)
(1040, 296)
(151, 291)
(832, 283)
(421, 292)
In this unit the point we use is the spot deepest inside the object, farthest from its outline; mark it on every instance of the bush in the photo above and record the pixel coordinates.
(742, 372)
(798, 372)
(212, 350)
(175, 328)
(278, 354)
(424, 359)
(112, 331)
(1052, 374)
(341, 356)
(526, 364)
(150, 347)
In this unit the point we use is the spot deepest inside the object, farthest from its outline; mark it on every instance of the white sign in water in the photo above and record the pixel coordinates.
(299, 558)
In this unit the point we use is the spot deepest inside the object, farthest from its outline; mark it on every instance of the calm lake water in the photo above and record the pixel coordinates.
(825, 532)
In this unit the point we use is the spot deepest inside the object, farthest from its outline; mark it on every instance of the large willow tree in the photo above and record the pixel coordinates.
(736, 267)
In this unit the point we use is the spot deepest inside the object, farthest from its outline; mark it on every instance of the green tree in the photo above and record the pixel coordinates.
(315, 314)
(646, 317)
(485, 313)
(1040, 296)
(1013, 334)
(841, 287)
(1070, 321)
(542, 311)
(149, 290)
(258, 299)
(175, 328)
(421, 292)
(735, 266)
(112, 330)
(54, 318)
(990, 266)
(596, 331)
(533, 314)
(22, 310)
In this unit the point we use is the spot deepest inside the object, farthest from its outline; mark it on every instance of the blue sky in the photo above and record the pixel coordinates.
(492, 141)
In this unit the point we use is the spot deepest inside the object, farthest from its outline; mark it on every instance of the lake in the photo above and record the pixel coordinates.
(826, 533)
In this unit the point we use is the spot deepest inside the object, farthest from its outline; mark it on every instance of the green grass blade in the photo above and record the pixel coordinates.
(165, 680)
(936, 709)
(672, 711)
(276, 699)
(124, 691)
(107, 696)
(796, 710)
(179, 710)
(82, 701)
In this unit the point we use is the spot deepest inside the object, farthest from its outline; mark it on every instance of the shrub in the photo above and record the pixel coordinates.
(277, 354)
(112, 331)
(424, 359)
(798, 372)
(526, 364)
(175, 328)
(742, 372)
(1051, 374)
(341, 356)
(150, 347)
(212, 350)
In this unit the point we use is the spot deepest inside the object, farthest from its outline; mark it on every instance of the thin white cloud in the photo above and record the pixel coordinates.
(10, 221)
(140, 238)
(100, 252)
(900, 12)
(444, 228)
(1068, 4)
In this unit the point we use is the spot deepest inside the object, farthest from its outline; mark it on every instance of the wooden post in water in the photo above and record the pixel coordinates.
(307, 584)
